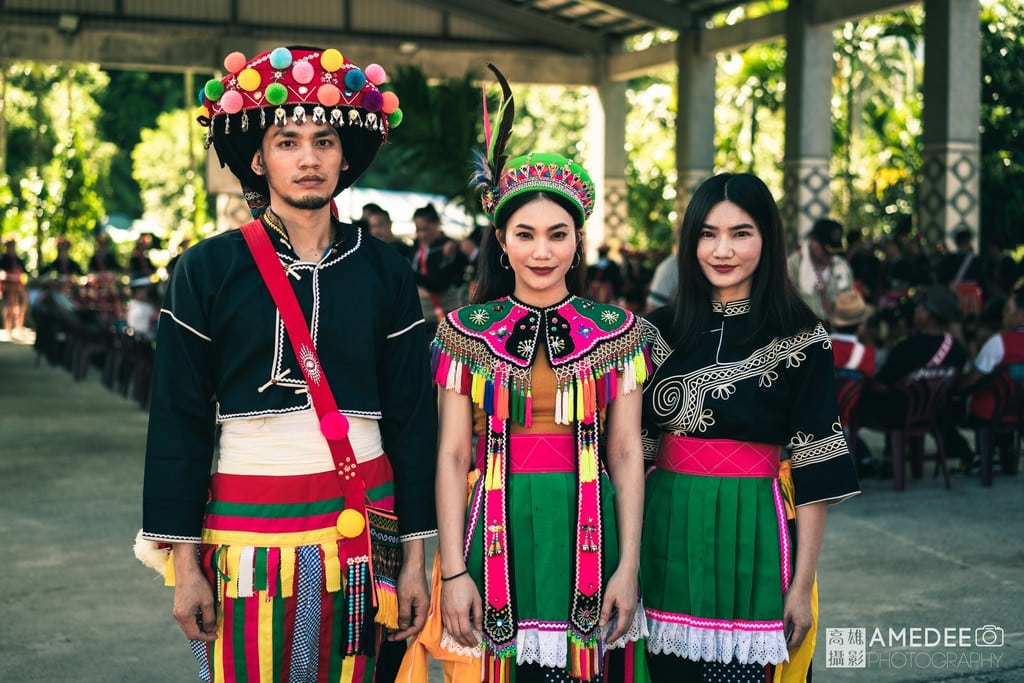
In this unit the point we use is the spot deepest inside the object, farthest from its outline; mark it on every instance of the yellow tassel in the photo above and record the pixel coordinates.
(387, 608)
(169, 573)
(641, 367)
(477, 390)
(588, 470)
(332, 567)
(493, 481)
(580, 407)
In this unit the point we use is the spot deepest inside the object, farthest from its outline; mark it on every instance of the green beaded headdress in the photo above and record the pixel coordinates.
(500, 179)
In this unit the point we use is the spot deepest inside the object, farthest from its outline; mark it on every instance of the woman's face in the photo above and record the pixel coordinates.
(729, 251)
(540, 241)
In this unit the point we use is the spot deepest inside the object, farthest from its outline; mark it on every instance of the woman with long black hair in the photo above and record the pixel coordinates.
(743, 374)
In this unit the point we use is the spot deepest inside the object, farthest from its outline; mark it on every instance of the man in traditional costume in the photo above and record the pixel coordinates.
(295, 347)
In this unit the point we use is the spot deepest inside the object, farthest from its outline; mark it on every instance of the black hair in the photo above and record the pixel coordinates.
(428, 213)
(495, 281)
(371, 207)
(774, 300)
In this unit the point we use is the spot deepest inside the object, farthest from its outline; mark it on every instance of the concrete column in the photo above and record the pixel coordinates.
(951, 154)
(613, 188)
(805, 181)
(695, 118)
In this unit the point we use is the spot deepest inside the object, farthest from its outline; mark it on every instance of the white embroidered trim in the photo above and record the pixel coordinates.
(145, 535)
(418, 534)
(717, 645)
(187, 327)
(545, 647)
(451, 645)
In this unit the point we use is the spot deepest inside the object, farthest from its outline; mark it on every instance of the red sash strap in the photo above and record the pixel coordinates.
(352, 522)
(717, 457)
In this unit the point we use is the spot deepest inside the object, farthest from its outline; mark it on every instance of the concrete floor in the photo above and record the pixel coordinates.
(78, 607)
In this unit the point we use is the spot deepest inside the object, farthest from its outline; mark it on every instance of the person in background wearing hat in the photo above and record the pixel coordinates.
(930, 349)
(818, 270)
(12, 285)
(288, 561)
(439, 265)
(539, 574)
(848, 319)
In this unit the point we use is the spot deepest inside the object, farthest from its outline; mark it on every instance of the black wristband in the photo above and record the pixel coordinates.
(454, 576)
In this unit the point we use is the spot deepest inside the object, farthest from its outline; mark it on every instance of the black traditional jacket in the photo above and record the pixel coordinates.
(223, 354)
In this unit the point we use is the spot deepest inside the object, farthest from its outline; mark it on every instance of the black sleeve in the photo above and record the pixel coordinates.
(822, 467)
(409, 422)
(180, 443)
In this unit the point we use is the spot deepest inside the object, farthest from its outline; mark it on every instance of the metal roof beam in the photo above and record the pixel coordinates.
(655, 12)
(504, 18)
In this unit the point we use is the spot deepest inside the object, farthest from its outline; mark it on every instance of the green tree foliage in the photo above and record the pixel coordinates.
(56, 160)
(132, 102)
(173, 197)
(651, 162)
(1002, 104)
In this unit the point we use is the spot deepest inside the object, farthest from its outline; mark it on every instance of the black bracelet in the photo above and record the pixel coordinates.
(454, 576)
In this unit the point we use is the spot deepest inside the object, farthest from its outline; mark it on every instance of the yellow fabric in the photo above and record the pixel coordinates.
(795, 670)
(416, 662)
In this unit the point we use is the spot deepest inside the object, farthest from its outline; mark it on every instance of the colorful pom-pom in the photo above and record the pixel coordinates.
(395, 118)
(201, 111)
(276, 93)
(302, 72)
(355, 79)
(334, 426)
(390, 102)
(331, 60)
(249, 79)
(372, 100)
(213, 90)
(375, 74)
(328, 95)
(234, 62)
(281, 58)
(350, 523)
(231, 101)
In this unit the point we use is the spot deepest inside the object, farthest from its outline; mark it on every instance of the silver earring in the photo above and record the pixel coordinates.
(577, 260)
(508, 264)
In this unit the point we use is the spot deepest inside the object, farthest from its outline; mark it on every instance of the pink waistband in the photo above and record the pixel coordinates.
(536, 453)
(717, 457)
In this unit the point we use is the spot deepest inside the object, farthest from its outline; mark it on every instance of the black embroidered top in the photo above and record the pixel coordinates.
(771, 390)
(223, 354)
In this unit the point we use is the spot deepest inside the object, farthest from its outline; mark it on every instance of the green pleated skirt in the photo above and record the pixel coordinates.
(714, 567)
(541, 540)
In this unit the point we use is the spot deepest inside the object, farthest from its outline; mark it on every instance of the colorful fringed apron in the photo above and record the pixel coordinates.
(487, 352)
(715, 556)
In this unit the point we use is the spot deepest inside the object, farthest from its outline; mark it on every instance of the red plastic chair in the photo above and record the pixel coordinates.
(849, 390)
(1007, 420)
(927, 394)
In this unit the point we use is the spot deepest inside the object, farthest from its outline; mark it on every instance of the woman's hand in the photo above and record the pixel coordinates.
(796, 616)
(619, 604)
(462, 610)
(193, 596)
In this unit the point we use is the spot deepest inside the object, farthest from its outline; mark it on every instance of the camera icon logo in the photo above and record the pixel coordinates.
(988, 636)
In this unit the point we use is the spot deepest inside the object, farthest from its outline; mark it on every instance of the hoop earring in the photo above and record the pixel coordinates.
(577, 260)
(503, 265)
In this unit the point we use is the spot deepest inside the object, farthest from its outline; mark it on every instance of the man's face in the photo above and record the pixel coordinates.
(380, 226)
(427, 231)
(301, 163)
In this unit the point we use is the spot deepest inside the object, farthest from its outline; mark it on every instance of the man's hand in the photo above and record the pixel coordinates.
(413, 596)
(193, 596)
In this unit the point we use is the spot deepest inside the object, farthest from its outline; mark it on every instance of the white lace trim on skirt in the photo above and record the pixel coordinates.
(717, 644)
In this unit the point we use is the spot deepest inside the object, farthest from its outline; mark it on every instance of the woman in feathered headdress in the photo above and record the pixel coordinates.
(540, 574)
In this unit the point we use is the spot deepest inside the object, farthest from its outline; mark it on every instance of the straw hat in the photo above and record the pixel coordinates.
(850, 309)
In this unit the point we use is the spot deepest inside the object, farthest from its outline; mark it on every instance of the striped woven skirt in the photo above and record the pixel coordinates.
(715, 557)
(272, 551)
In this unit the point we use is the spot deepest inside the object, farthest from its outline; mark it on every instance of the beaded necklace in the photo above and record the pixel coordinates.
(273, 221)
